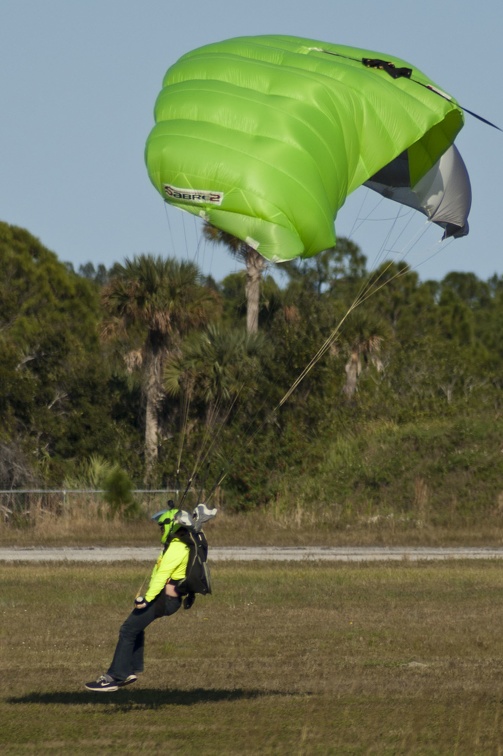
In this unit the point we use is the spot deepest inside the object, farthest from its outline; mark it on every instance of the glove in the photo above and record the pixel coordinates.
(140, 603)
(189, 600)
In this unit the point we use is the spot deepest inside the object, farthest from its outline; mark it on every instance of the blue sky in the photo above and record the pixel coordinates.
(78, 86)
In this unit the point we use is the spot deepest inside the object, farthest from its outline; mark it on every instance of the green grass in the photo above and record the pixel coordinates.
(282, 659)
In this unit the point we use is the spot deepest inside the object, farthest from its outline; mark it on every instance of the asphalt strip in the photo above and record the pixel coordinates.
(254, 553)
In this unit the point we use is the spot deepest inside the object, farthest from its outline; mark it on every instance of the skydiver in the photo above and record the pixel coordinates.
(161, 600)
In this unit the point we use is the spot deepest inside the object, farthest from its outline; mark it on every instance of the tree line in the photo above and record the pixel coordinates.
(171, 378)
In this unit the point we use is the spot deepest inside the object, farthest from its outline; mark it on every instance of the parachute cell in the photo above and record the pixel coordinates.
(264, 137)
(443, 194)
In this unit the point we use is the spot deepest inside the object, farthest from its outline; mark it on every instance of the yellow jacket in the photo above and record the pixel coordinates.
(171, 563)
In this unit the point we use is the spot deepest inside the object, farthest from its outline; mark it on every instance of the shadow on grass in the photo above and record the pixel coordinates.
(148, 698)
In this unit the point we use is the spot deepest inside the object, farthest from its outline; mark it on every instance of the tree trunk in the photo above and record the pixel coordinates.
(353, 370)
(153, 393)
(255, 265)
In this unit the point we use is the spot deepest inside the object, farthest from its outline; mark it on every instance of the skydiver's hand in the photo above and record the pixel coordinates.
(140, 603)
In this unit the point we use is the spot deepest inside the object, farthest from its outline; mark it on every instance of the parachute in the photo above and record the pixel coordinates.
(264, 137)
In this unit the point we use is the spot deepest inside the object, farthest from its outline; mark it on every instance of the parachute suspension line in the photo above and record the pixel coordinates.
(319, 354)
(187, 396)
(207, 446)
(360, 220)
(139, 592)
(370, 292)
(185, 491)
(205, 244)
(383, 249)
(186, 242)
(360, 297)
(358, 216)
(194, 469)
(210, 440)
(439, 246)
(367, 291)
(323, 349)
(217, 436)
(205, 453)
(408, 244)
(168, 219)
(185, 235)
(250, 435)
(196, 254)
(185, 413)
(389, 243)
(216, 439)
(384, 245)
(217, 483)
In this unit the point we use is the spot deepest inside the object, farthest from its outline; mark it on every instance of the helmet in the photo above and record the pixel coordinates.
(167, 522)
(172, 519)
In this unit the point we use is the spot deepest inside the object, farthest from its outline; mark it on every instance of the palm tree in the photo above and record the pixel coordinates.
(363, 339)
(217, 372)
(255, 266)
(218, 365)
(164, 299)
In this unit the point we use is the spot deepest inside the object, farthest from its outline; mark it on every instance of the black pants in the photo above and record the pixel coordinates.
(128, 656)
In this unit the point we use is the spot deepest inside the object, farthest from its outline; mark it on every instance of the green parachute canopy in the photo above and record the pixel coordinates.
(265, 137)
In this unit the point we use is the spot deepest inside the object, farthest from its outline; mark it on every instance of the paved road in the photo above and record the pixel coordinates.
(255, 553)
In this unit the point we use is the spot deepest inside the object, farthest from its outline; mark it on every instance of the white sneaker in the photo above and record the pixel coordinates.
(105, 683)
(130, 679)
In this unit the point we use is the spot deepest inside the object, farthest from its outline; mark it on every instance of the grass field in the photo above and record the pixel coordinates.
(402, 658)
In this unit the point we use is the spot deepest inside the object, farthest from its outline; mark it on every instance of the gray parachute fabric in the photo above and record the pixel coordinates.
(443, 194)
(202, 514)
